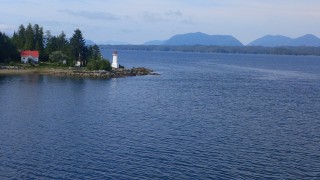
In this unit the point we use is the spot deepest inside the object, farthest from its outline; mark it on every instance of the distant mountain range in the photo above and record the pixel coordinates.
(227, 40)
(275, 41)
(198, 39)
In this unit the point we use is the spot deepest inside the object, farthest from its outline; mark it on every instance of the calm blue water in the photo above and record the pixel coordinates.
(207, 116)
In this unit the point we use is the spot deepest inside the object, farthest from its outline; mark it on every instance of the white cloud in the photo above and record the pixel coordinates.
(142, 20)
(4, 26)
(91, 15)
(174, 13)
(151, 17)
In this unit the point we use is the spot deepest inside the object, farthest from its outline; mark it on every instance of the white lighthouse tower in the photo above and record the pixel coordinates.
(115, 59)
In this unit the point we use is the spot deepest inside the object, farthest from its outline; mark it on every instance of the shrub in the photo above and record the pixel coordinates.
(57, 57)
(12, 63)
(99, 65)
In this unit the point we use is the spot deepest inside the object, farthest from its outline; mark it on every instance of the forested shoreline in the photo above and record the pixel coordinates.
(58, 50)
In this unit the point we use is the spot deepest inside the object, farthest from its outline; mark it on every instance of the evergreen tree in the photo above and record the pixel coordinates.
(32, 38)
(56, 43)
(47, 46)
(8, 50)
(63, 43)
(47, 37)
(94, 52)
(19, 37)
(15, 39)
(77, 44)
(38, 38)
(51, 43)
(29, 38)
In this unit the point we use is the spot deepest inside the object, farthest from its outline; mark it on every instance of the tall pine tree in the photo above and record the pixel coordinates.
(8, 50)
(94, 52)
(19, 37)
(77, 44)
(38, 38)
(29, 37)
(63, 43)
(51, 44)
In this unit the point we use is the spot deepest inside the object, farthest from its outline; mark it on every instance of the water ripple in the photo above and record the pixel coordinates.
(208, 116)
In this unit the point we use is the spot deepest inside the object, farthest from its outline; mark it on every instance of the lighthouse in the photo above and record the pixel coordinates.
(115, 59)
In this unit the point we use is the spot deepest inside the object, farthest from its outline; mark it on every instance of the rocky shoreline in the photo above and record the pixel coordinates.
(117, 73)
(80, 73)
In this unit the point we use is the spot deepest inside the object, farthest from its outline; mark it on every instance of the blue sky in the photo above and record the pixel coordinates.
(137, 21)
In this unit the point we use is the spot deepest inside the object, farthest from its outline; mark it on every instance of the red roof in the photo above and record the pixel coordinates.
(34, 54)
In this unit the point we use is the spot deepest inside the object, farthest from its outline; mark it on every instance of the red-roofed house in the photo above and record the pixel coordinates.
(30, 55)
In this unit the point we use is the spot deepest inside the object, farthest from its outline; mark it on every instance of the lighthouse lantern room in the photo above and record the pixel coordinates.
(115, 59)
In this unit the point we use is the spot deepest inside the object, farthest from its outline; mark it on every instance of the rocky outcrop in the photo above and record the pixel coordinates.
(10, 67)
(116, 73)
(79, 72)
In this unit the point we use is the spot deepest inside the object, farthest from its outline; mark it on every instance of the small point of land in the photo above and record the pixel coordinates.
(77, 72)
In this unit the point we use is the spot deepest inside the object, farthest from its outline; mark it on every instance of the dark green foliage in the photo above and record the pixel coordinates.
(96, 61)
(53, 48)
(57, 43)
(58, 57)
(104, 65)
(19, 38)
(8, 51)
(33, 38)
(51, 44)
(30, 38)
(94, 52)
(99, 65)
(38, 39)
(77, 44)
